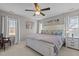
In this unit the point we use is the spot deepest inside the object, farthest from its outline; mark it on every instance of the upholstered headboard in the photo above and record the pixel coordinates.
(52, 32)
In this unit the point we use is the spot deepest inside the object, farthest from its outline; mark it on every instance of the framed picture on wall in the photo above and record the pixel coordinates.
(29, 25)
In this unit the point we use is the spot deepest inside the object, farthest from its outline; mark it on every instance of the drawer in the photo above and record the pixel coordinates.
(69, 39)
(72, 44)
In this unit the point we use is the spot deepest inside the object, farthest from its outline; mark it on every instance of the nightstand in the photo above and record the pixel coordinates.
(72, 42)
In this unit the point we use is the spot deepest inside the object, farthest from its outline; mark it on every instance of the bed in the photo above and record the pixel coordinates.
(45, 44)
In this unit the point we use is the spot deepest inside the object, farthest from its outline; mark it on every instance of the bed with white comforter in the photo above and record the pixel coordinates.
(45, 44)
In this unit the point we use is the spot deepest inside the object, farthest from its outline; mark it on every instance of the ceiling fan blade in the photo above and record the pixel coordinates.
(42, 13)
(45, 9)
(29, 10)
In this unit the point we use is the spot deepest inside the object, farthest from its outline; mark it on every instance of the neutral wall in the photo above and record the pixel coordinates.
(24, 32)
(61, 17)
(21, 21)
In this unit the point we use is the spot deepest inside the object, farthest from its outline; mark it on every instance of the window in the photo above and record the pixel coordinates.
(73, 26)
(11, 27)
(73, 22)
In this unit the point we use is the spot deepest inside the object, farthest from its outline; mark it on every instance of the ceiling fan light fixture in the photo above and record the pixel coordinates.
(37, 12)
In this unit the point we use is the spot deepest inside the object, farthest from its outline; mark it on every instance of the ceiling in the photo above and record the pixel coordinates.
(55, 9)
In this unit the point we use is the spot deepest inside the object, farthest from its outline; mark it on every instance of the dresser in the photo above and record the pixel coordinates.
(72, 42)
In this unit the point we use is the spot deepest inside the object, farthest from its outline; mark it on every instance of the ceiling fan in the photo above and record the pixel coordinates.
(38, 10)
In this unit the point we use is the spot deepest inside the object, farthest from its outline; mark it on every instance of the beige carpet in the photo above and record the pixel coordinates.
(21, 50)
(18, 50)
(68, 52)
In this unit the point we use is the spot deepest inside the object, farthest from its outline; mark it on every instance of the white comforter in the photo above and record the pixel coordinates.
(53, 39)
